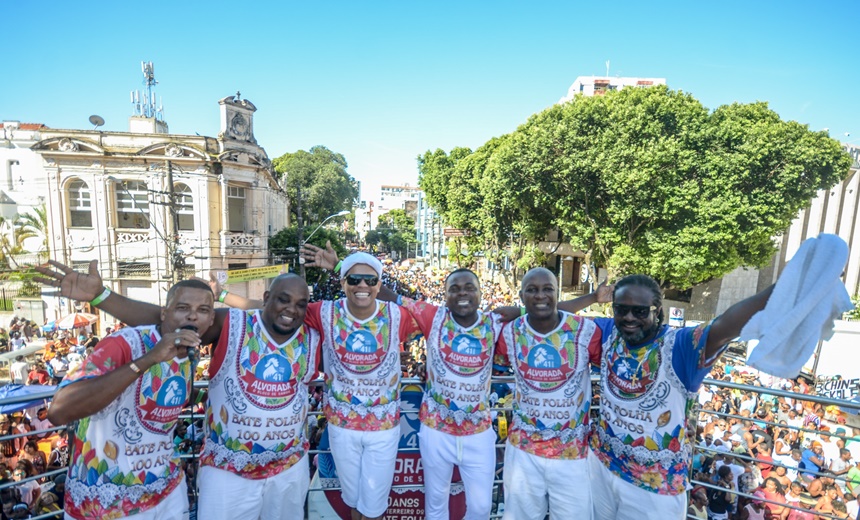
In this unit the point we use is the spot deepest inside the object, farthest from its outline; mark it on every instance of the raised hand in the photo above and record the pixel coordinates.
(604, 292)
(318, 257)
(70, 283)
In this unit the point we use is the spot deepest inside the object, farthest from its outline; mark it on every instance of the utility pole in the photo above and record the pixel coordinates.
(174, 256)
(300, 224)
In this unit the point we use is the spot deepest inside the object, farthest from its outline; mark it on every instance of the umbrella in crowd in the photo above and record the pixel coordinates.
(77, 319)
(51, 325)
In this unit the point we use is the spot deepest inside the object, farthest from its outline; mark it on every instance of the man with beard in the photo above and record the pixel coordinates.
(126, 399)
(254, 462)
(650, 374)
(546, 469)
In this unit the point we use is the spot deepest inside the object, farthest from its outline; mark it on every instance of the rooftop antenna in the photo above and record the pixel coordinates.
(147, 107)
(607, 68)
(97, 121)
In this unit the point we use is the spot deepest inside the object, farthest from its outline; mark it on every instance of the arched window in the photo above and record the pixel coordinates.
(184, 207)
(132, 205)
(80, 204)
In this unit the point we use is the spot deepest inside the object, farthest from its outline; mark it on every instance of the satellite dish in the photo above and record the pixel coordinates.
(97, 121)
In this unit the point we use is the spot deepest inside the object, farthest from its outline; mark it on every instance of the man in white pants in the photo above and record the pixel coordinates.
(361, 345)
(649, 377)
(545, 458)
(127, 398)
(254, 463)
(456, 427)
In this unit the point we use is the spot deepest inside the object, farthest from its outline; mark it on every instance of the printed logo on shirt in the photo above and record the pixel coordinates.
(161, 400)
(631, 376)
(360, 353)
(267, 381)
(465, 355)
(544, 369)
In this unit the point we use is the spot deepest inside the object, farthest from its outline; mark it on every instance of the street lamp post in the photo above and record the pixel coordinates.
(305, 240)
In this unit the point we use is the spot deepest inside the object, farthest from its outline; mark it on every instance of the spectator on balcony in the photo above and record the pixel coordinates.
(38, 375)
(812, 460)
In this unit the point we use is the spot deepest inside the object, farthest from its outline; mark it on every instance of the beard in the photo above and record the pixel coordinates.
(635, 338)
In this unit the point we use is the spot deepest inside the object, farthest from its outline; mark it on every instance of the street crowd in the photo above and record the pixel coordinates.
(744, 440)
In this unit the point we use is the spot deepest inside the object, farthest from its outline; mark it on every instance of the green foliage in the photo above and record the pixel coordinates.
(853, 314)
(395, 232)
(644, 180)
(326, 187)
(35, 224)
(283, 246)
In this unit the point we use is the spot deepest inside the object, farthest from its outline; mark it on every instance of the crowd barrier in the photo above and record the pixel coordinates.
(497, 492)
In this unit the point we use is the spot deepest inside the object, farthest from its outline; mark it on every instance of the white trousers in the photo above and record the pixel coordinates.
(225, 495)
(365, 466)
(173, 507)
(475, 455)
(535, 484)
(615, 498)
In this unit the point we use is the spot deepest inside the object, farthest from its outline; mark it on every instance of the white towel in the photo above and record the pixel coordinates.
(808, 296)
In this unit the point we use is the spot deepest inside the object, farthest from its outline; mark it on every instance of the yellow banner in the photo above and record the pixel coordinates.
(255, 273)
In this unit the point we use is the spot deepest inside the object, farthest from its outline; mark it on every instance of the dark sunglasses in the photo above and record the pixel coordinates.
(639, 311)
(355, 279)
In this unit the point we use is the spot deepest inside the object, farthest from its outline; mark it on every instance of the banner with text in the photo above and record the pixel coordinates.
(254, 273)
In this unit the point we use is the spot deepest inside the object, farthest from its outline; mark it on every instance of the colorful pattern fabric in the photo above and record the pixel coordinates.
(456, 399)
(124, 460)
(550, 417)
(362, 362)
(644, 408)
(258, 398)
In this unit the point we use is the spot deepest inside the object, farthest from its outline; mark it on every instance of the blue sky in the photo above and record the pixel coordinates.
(381, 82)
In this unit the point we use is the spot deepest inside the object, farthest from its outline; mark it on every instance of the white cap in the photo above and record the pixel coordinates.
(360, 258)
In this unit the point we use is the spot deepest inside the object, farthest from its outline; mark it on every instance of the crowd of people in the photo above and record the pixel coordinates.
(783, 451)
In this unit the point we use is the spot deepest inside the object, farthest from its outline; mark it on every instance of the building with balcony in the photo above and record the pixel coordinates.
(152, 206)
(599, 85)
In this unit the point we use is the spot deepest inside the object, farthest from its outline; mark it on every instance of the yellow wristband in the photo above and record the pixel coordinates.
(134, 368)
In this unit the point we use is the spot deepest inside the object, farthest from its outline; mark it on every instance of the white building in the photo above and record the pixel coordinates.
(23, 184)
(109, 199)
(599, 85)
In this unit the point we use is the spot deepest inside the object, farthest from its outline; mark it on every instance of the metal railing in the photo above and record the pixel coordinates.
(497, 492)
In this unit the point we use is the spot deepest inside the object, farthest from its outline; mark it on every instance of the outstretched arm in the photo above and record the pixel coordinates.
(603, 294)
(86, 287)
(728, 325)
(233, 300)
(86, 397)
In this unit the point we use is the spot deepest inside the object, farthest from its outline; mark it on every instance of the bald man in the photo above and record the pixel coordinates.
(546, 470)
(254, 462)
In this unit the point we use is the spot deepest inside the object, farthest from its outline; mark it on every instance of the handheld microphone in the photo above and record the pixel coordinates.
(192, 351)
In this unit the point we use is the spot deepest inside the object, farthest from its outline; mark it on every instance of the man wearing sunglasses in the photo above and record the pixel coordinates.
(650, 376)
(254, 462)
(362, 340)
(455, 411)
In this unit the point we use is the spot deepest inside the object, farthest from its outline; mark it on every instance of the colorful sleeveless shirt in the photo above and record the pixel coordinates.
(258, 398)
(459, 367)
(124, 460)
(644, 407)
(550, 416)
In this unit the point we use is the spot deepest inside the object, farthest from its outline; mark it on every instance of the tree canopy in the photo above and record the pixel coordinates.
(644, 180)
(326, 187)
(394, 232)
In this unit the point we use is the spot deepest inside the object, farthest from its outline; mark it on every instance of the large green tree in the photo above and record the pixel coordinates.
(320, 173)
(394, 232)
(645, 180)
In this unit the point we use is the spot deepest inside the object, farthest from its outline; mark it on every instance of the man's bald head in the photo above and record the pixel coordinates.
(538, 271)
